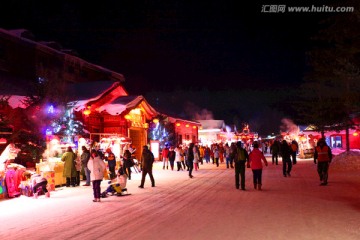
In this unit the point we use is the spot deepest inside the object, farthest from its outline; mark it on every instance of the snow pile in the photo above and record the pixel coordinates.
(346, 161)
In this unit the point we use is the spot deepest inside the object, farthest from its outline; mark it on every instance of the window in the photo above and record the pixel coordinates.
(179, 139)
(336, 142)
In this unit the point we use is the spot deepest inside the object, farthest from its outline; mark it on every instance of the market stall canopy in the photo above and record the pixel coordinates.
(10, 152)
(121, 104)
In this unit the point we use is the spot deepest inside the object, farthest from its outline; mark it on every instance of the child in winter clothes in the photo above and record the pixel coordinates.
(118, 184)
(37, 182)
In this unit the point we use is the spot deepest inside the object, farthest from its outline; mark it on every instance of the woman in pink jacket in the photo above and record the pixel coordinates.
(255, 163)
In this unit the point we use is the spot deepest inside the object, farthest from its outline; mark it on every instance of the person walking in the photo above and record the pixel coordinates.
(69, 171)
(255, 158)
(128, 163)
(294, 150)
(232, 154)
(182, 154)
(275, 149)
(221, 153)
(196, 158)
(85, 156)
(216, 156)
(201, 151)
(171, 157)
(110, 158)
(147, 160)
(227, 154)
(323, 157)
(285, 151)
(165, 157)
(190, 159)
(178, 158)
(207, 153)
(241, 158)
(96, 166)
(78, 169)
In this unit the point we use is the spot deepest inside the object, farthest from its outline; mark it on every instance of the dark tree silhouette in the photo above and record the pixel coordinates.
(331, 92)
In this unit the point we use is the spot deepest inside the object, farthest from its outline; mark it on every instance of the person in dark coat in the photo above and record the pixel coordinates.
(285, 154)
(190, 159)
(128, 163)
(241, 158)
(85, 156)
(275, 149)
(147, 160)
(171, 157)
(111, 159)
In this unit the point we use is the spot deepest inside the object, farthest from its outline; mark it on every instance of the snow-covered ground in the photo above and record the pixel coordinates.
(205, 207)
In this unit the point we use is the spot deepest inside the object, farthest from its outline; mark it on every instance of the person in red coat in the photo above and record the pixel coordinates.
(165, 157)
(255, 158)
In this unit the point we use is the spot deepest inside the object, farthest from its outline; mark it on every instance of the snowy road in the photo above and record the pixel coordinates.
(205, 207)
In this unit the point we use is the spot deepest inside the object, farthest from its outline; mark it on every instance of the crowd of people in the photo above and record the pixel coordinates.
(240, 155)
(236, 155)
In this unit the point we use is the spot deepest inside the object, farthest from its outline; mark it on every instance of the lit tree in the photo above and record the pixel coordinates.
(67, 125)
(163, 131)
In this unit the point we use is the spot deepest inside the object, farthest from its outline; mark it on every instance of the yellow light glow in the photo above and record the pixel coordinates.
(136, 111)
(87, 112)
(127, 117)
(187, 125)
(178, 124)
(155, 120)
(194, 127)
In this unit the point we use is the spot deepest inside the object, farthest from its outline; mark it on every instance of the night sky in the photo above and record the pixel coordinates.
(177, 45)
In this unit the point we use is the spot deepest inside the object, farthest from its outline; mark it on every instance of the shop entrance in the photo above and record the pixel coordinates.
(138, 137)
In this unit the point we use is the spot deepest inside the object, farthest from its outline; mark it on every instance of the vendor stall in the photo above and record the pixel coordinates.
(2, 185)
(52, 170)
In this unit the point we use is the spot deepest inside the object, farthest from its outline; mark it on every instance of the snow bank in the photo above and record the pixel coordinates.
(346, 161)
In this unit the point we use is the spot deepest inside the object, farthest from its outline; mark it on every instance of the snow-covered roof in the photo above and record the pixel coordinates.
(123, 103)
(94, 94)
(212, 124)
(15, 101)
(89, 90)
(174, 119)
(22, 33)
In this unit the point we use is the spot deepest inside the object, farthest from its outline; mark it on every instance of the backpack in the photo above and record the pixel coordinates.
(240, 155)
(293, 147)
